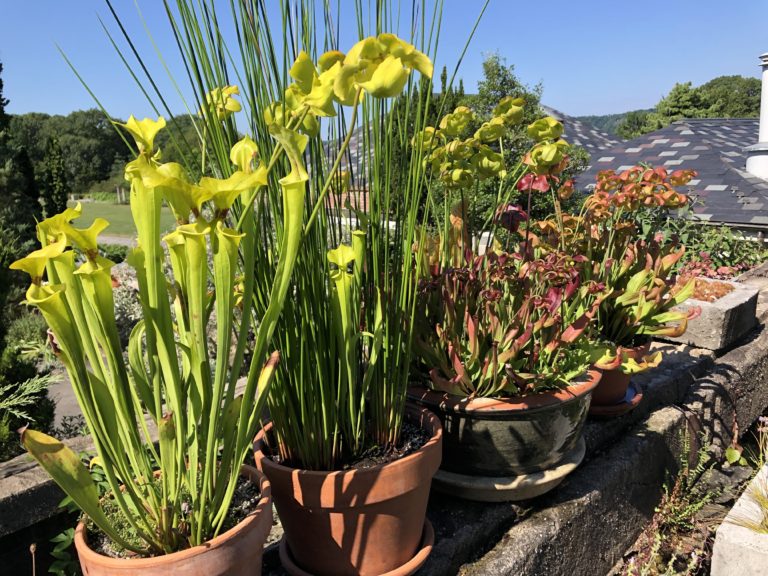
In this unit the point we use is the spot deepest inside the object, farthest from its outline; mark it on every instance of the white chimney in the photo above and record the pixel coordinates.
(757, 154)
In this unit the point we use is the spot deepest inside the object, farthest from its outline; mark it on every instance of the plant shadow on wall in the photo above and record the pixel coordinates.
(695, 499)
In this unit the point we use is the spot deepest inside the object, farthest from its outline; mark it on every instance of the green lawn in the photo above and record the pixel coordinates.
(119, 218)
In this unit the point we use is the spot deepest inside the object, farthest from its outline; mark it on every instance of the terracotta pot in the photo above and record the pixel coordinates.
(356, 522)
(614, 384)
(237, 552)
(500, 437)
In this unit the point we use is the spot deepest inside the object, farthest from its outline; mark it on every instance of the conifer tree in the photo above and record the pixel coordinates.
(55, 185)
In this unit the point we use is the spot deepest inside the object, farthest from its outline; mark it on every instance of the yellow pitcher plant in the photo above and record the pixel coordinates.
(177, 493)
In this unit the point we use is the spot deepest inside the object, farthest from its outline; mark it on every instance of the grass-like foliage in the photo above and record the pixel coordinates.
(346, 331)
(259, 241)
(16, 398)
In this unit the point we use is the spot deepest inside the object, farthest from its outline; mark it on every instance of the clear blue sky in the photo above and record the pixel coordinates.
(592, 57)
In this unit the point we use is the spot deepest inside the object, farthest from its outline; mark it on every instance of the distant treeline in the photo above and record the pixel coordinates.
(94, 152)
(721, 97)
(609, 123)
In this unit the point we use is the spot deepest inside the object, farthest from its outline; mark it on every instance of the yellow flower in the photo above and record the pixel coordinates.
(243, 154)
(86, 238)
(34, 263)
(342, 256)
(58, 226)
(545, 129)
(171, 181)
(380, 65)
(547, 156)
(280, 113)
(221, 102)
(427, 139)
(312, 89)
(487, 162)
(506, 104)
(51, 228)
(144, 131)
(225, 192)
(330, 59)
(455, 123)
(491, 130)
(98, 265)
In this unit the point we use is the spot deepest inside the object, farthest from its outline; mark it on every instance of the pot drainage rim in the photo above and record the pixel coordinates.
(509, 488)
(425, 549)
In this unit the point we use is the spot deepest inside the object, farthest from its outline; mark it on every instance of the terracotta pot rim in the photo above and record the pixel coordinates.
(81, 543)
(261, 455)
(639, 349)
(620, 408)
(516, 405)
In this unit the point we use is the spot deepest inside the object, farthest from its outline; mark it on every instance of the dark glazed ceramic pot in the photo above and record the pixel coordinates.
(509, 436)
(361, 522)
(614, 384)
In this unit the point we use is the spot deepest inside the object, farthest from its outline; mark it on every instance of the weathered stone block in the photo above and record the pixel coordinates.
(723, 322)
(740, 551)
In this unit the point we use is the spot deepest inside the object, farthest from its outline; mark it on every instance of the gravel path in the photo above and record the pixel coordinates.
(121, 240)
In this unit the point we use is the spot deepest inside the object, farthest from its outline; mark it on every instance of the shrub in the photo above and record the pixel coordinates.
(28, 327)
(14, 367)
(23, 403)
(711, 251)
(115, 252)
(106, 197)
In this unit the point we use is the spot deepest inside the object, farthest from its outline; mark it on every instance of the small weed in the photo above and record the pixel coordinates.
(757, 492)
(665, 548)
(71, 427)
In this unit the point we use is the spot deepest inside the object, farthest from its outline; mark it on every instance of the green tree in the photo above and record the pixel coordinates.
(732, 97)
(683, 101)
(499, 80)
(4, 120)
(721, 97)
(87, 139)
(632, 125)
(19, 206)
(21, 197)
(55, 186)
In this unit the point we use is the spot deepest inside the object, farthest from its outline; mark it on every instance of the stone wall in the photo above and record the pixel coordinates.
(584, 526)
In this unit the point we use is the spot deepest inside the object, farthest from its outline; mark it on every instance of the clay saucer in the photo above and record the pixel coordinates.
(631, 400)
(425, 548)
(512, 488)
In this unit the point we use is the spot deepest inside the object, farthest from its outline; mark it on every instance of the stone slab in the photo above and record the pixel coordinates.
(758, 278)
(27, 493)
(581, 529)
(740, 551)
(724, 322)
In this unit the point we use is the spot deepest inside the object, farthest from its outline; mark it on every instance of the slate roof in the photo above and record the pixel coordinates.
(582, 133)
(352, 160)
(714, 147)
